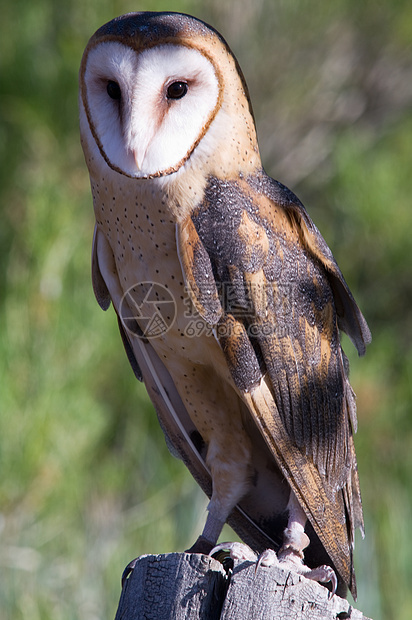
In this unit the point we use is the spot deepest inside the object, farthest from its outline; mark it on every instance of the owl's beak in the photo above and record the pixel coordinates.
(138, 147)
(138, 158)
(139, 155)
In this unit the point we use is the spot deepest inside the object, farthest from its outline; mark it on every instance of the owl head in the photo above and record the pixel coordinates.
(161, 92)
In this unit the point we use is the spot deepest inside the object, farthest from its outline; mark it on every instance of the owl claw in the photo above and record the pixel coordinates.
(324, 574)
(237, 551)
(128, 570)
(267, 558)
(241, 552)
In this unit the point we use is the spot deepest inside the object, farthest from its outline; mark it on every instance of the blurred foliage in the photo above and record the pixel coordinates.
(86, 480)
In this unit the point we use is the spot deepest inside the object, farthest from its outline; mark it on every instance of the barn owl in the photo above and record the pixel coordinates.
(229, 301)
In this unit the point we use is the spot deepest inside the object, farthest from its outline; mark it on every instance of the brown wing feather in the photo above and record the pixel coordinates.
(278, 280)
(283, 296)
(197, 270)
(323, 505)
(350, 318)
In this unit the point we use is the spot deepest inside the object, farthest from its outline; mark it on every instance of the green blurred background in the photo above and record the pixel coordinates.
(86, 481)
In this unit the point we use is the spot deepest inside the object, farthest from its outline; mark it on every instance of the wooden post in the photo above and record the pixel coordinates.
(183, 586)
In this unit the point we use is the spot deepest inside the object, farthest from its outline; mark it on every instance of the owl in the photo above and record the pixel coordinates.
(229, 302)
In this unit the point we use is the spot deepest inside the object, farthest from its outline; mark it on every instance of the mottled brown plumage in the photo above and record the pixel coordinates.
(248, 376)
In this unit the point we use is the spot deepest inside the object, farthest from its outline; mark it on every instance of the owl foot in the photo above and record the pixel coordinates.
(295, 541)
(288, 558)
(291, 558)
(237, 551)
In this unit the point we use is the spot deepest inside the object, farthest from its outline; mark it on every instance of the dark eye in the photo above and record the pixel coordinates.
(176, 90)
(113, 90)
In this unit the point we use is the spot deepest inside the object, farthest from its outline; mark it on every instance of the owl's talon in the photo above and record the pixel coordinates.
(128, 571)
(237, 551)
(267, 558)
(324, 574)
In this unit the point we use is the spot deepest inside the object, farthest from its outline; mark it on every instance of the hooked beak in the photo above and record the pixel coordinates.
(139, 146)
(139, 156)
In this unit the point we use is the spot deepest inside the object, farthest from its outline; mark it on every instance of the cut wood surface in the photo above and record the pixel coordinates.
(177, 586)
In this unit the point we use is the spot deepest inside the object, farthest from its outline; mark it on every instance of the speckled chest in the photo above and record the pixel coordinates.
(138, 226)
(141, 230)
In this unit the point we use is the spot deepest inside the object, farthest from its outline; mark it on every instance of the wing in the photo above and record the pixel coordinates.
(284, 300)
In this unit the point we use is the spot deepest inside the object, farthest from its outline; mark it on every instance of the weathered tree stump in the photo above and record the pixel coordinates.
(182, 586)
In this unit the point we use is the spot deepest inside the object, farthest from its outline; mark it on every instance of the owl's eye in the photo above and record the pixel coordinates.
(176, 90)
(113, 90)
